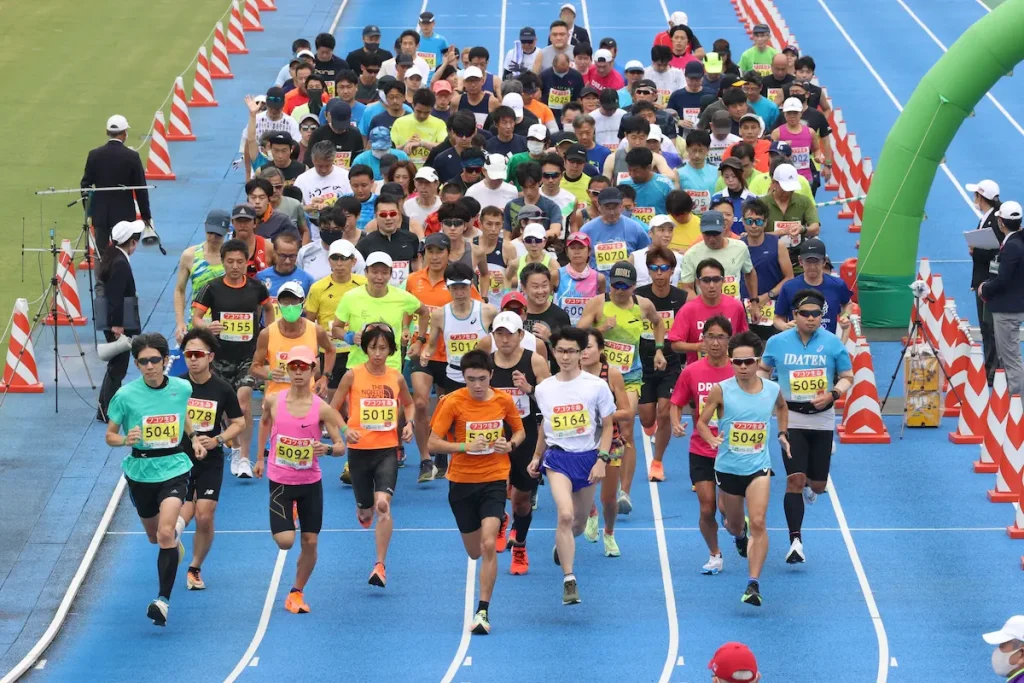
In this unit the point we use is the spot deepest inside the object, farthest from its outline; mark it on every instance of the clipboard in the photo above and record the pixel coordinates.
(981, 239)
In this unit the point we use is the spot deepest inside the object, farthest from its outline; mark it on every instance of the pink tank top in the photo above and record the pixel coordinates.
(801, 144)
(291, 444)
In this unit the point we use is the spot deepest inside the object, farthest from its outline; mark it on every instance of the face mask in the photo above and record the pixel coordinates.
(330, 236)
(534, 146)
(378, 153)
(1001, 662)
(370, 47)
(315, 101)
(560, 74)
(291, 313)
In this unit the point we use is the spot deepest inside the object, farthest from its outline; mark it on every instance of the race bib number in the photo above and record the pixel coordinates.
(691, 114)
(775, 95)
(619, 355)
(489, 429)
(237, 327)
(378, 414)
(497, 278)
(788, 228)
(329, 88)
(419, 155)
(571, 420)
(667, 318)
(608, 254)
(161, 431)
(612, 146)
(731, 286)
(430, 58)
(715, 156)
(399, 273)
(644, 214)
(748, 438)
(294, 453)
(559, 97)
(521, 400)
(702, 400)
(414, 325)
(663, 96)
(701, 200)
(203, 414)
(623, 175)
(767, 314)
(281, 363)
(802, 157)
(459, 345)
(573, 306)
(804, 385)
(763, 69)
(343, 159)
(340, 345)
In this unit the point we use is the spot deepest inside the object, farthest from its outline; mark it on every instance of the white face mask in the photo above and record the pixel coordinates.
(534, 147)
(378, 153)
(1001, 662)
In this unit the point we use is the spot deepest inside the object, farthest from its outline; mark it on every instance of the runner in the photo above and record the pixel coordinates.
(771, 263)
(212, 404)
(535, 239)
(732, 254)
(516, 303)
(613, 235)
(691, 391)
(744, 406)
(662, 231)
(290, 423)
(808, 360)
(594, 361)
(837, 295)
(577, 281)
(154, 413)
(238, 306)
(373, 393)
(492, 253)
(654, 404)
(620, 315)
(569, 448)
(517, 372)
(198, 265)
(402, 246)
(286, 253)
(687, 333)
(479, 471)
(259, 251)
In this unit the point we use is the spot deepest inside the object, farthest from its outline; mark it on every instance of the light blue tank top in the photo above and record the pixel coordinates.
(745, 426)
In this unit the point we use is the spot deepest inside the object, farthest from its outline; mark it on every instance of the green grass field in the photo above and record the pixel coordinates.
(71, 65)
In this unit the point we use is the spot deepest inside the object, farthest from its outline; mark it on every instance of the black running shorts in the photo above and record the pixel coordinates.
(147, 496)
(472, 503)
(520, 458)
(736, 484)
(372, 470)
(812, 453)
(658, 385)
(310, 502)
(207, 478)
(702, 468)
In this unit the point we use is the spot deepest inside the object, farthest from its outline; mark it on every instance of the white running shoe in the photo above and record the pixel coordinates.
(236, 456)
(714, 565)
(244, 468)
(179, 529)
(796, 552)
(157, 611)
(625, 503)
(810, 497)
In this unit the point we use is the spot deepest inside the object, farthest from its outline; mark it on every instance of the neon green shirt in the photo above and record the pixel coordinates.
(357, 308)
(432, 130)
(757, 60)
(160, 413)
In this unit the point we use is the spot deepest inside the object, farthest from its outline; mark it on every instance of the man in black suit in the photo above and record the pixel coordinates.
(114, 165)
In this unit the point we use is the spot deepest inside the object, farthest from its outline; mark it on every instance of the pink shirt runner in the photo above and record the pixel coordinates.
(291, 442)
(692, 389)
(689, 323)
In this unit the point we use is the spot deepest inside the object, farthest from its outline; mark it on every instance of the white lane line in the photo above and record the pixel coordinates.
(501, 34)
(865, 587)
(664, 9)
(984, 6)
(72, 592)
(467, 619)
(468, 661)
(666, 571)
(41, 665)
(935, 39)
(945, 169)
(423, 8)
(261, 628)
(453, 530)
(255, 661)
(337, 17)
(586, 17)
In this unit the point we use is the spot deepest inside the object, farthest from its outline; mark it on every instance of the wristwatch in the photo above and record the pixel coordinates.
(330, 449)
(191, 436)
(783, 433)
(220, 441)
(835, 394)
(421, 339)
(772, 295)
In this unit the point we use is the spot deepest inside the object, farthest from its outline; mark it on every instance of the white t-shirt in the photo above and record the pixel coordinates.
(666, 83)
(416, 212)
(643, 276)
(505, 193)
(606, 128)
(388, 68)
(264, 124)
(718, 148)
(566, 202)
(525, 65)
(314, 260)
(573, 411)
(315, 185)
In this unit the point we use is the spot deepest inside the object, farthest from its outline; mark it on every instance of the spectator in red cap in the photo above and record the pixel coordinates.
(734, 663)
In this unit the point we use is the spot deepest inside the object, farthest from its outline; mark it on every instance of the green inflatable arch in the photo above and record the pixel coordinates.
(913, 150)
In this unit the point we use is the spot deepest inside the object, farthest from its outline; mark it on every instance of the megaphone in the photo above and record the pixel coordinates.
(150, 238)
(107, 352)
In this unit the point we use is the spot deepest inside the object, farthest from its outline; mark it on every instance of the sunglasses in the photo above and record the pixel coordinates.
(387, 214)
(373, 71)
(299, 366)
(473, 169)
(816, 313)
(660, 268)
(278, 187)
(192, 355)
(644, 91)
(339, 257)
(712, 280)
(550, 175)
(621, 285)
(150, 360)
(759, 222)
(378, 326)
(533, 240)
(453, 223)
(307, 127)
(738, 362)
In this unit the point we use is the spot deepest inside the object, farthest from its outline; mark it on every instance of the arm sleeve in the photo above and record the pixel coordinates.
(783, 304)
(117, 412)
(1008, 260)
(811, 214)
(411, 303)
(138, 178)
(679, 326)
(605, 401)
(843, 361)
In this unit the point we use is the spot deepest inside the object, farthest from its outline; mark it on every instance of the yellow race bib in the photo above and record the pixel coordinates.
(203, 414)
(343, 159)
(238, 327)
(804, 385)
(747, 438)
(559, 97)
(619, 355)
(731, 286)
(491, 431)
(161, 431)
(667, 317)
(571, 419)
(608, 254)
(294, 453)
(378, 414)
(644, 214)
(702, 400)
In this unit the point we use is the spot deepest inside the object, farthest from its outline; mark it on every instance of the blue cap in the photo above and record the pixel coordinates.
(339, 111)
(780, 147)
(712, 221)
(380, 138)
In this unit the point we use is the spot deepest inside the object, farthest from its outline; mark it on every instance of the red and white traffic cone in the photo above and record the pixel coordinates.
(971, 427)
(851, 348)
(236, 36)
(220, 63)
(936, 304)
(158, 163)
(20, 373)
(996, 415)
(958, 369)
(88, 261)
(179, 128)
(949, 351)
(1011, 465)
(266, 5)
(251, 16)
(202, 86)
(863, 418)
(1017, 530)
(66, 299)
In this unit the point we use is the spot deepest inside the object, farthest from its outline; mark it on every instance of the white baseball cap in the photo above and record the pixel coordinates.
(537, 132)
(792, 104)
(496, 167)
(679, 18)
(633, 65)
(507, 320)
(124, 230)
(655, 134)
(342, 248)
(569, 7)
(1010, 211)
(292, 287)
(988, 189)
(379, 257)
(662, 219)
(514, 101)
(427, 173)
(603, 55)
(534, 230)
(117, 124)
(415, 70)
(787, 178)
(1013, 629)
(472, 72)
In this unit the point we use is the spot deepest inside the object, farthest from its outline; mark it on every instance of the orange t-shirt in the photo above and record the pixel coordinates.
(761, 158)
(471, 417)
(433, 296)
(373, 408)
(541, 111)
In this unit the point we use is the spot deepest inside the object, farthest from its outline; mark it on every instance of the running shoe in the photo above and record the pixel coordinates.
(193, 581)
(295, 603)
(796, 552)
(714, 565)
(401, 456)
(346, 475)
(625, 503)
(611, 548)
(236, 455)
(244, 468)
(570, 592)
(378, 577)
(441, 460)
(657, 471)
(428, 471)
(741, 543)
(502, 541)
(157, 611)
(520, 560)
(481, 625)
(590, 531)
(810, 497)
(554, 556)
(752, 596)
(179, 529)
(295, 513)
(365, 524)
(650, 431)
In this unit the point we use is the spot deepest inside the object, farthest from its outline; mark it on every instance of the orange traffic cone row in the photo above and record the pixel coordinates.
(251, 17)
(994, 430)
(179, 128)
(158, 163)
(236, 36)
(220, 63)
(66, 299)
(862, 421)
(20, 373)
(975, 393)
(266, 5)
(202, 86)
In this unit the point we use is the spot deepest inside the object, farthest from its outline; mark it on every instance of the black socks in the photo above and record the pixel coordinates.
(167, 569)
(793, 504)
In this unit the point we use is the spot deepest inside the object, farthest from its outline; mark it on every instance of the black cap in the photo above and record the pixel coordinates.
(281, 137)
(761, 28)
(609, 195)
(339, 111)
(576, 153)
(427, 17)
(623, 271)
(694, 70)
(371, 30)
(243, 211)
(608, 43)
(439, 240)
(609, 97)
(813, 248)
(712, 222)
(218, 221)
(275, 96)
(404, 59)
(391, 189)
(589, 90)
(646, 83)
(527, 33)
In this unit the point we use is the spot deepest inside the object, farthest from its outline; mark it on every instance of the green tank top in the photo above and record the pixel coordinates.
(522, 264)
(622, 342)
(201, 273)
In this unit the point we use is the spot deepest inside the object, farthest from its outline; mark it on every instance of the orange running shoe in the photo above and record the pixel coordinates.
(649, 431)
(502, 541)
(657, 471)
(367, 524)
(378, 577)
(295, 603)
(520, 560)
(295, 512)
